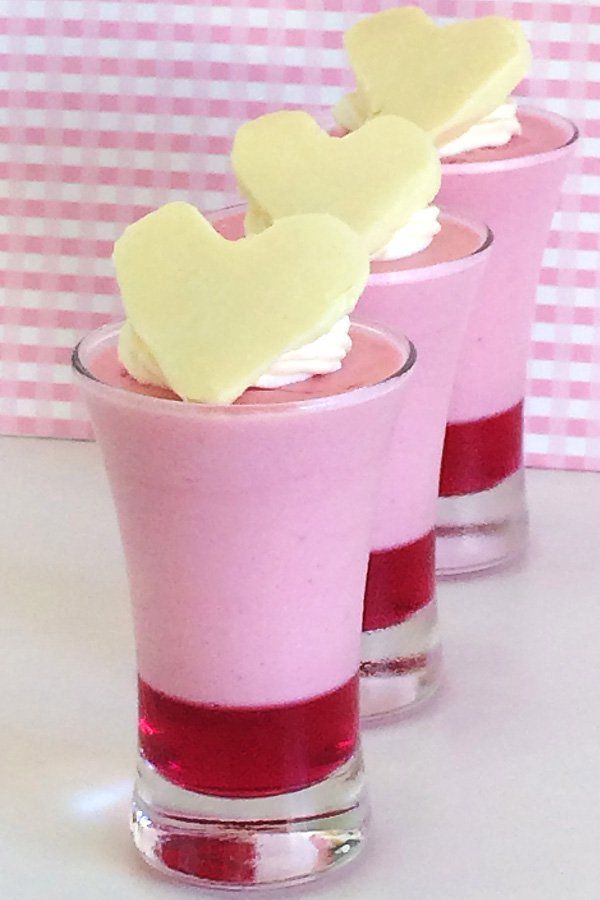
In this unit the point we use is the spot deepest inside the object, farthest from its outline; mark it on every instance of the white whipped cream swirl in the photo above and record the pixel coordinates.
(414, 236)
(319, 357)
(494, 130)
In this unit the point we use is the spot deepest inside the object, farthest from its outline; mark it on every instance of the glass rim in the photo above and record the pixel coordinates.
(517, 162)
(185, 407)
(379, 268)
(435, 269)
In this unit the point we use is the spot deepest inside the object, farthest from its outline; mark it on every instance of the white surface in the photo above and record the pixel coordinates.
(489, 792)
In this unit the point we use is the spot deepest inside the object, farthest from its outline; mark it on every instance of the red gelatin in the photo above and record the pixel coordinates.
(248, 751)
(211, 858)
(479, 455)
(400, 581)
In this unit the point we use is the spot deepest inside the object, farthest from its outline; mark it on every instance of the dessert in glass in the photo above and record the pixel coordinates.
(430, 295)
(425, 269)
(502, 164)
(482, 515)
(243, 423)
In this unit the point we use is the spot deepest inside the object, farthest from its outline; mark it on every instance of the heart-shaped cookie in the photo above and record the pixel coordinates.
(214, 314)
(444, 79)
(373, 179)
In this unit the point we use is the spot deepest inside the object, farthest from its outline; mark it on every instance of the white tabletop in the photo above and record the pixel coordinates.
(490, 791)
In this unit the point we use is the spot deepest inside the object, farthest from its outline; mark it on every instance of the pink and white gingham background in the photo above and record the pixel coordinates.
(111, 108)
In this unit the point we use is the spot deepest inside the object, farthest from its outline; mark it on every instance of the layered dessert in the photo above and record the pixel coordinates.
(382, 179)
(429, 294)
(503, 165)
(235, 664)
(484, 438)
(243, 423)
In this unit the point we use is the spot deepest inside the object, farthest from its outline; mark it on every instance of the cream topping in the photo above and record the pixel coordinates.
(494, 130)
(414, 236)
(324, 355)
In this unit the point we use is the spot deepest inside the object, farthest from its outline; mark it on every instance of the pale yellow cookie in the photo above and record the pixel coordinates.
(214, 314)
(444, 79)
(373, 179)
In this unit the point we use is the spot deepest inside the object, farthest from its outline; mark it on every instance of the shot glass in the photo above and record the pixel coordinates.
(246, 534)
(482, 512)
(428, 296)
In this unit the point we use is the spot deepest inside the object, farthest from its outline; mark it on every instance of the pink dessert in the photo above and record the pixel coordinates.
(515, 190)
(428, 295)
(246, 533)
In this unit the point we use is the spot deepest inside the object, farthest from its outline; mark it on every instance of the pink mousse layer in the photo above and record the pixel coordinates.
(429, 297)
(247, 532)
(515, 189)
(372, 358)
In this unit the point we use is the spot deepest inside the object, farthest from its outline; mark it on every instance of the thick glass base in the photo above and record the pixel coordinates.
(243, 843)
(401, 665)
(476, 532)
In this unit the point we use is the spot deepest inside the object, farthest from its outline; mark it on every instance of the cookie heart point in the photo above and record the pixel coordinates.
(373, 179)
(214, 314)
(443, 78)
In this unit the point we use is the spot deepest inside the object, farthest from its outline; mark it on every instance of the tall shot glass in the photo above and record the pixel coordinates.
(246, 534)
(482, 513)
(428, 296)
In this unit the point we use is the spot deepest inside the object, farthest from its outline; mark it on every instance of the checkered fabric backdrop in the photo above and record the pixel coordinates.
(112, 108)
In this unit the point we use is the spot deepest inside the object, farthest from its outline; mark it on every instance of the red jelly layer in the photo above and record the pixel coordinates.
(228, 860)
(248, 751)
(479, 455)
(400, 581)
